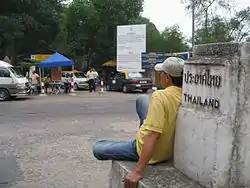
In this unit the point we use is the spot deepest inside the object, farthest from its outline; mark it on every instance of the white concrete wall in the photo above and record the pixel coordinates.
(243, 134)
(206, 138)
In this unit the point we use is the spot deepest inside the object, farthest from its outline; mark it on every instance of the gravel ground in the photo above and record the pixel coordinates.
(47, 141)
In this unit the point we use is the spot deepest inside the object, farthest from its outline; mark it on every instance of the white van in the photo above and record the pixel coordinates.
(11, 84)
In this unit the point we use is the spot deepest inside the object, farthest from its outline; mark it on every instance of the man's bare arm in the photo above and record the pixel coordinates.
(148, 148)
(150, 141)
(155, 122)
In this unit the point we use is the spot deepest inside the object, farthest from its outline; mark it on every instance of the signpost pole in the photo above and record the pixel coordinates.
(193, 23)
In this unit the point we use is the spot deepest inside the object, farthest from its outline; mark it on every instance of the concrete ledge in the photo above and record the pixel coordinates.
(161, 175)
(217, 49)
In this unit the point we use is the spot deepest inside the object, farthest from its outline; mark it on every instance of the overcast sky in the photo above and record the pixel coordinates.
(170, 12)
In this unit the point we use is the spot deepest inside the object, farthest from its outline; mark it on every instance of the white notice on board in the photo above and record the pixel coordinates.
(131, 42)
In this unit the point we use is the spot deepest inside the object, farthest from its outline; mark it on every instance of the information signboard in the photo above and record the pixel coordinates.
(131, 42)
(39, 57)
(150, 59)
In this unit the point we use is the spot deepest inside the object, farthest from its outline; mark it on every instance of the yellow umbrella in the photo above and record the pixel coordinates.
(111, 63)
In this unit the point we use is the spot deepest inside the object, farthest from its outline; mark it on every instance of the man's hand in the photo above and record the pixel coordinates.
(132, 179)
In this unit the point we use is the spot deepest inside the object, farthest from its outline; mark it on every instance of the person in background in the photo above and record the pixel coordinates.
(154, 141)
(91, 79)
(69, 80)
(96, 76)
(47, 83)
(35, 80)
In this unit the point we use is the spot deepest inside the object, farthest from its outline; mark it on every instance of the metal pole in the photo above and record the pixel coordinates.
(193, 23)
(40, 75)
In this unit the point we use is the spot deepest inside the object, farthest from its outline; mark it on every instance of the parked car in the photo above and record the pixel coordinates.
(129, 81)
(80, 80)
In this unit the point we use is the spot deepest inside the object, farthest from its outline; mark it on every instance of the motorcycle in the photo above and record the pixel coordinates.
(31, 90)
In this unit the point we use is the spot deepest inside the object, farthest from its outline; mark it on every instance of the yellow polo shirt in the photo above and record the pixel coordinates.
(161, 118)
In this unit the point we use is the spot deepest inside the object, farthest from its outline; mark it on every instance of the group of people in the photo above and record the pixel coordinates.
(35, 82)
(154, 141)
(92, 77)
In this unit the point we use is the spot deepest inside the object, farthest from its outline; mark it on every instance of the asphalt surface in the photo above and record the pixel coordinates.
(47, 141)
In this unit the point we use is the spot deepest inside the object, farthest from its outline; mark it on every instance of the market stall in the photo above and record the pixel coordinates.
(55, 63)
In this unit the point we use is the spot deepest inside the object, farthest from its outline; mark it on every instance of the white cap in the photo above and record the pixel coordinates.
(172, 66)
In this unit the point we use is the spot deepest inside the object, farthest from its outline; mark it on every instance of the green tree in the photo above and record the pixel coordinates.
(217, 31)
(91, 27)
(27, 25)
(173, 40)
(212, 27)
(154, 38)
(170, 40)
(204, 9)
(221, 29)
(240, 25)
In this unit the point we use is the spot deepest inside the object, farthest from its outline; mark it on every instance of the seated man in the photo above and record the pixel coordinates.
(155, 138)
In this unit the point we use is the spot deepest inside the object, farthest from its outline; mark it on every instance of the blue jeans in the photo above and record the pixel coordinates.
(110, 150)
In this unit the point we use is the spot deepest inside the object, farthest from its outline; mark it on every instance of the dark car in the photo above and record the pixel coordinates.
(129, 81)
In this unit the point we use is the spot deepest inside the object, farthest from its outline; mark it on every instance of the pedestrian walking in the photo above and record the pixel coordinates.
(35, 81)
(96, 77)
(47, 83)
(91, 80)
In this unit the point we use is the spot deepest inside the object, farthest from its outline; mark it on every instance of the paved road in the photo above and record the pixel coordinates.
(46, 141)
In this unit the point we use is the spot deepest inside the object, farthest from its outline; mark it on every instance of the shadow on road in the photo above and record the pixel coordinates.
(133, 92)
(22, 98)
(19, 99)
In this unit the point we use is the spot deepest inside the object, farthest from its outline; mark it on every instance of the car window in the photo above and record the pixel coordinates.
(79, 75)
(120, 75)
(15, 73)
(135, 75)
(3, 72)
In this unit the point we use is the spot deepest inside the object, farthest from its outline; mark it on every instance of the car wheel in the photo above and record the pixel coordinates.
(76, 86)
(108, 87)
(124, 89)
(4, 95)
(145, 90)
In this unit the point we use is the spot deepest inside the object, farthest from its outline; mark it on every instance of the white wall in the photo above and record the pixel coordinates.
(207, 138)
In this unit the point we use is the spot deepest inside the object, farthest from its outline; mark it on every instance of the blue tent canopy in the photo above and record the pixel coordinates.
(56, 60)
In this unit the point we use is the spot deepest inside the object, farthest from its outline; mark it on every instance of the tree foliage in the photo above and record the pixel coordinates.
(169, 40)
(217, 31)
(90, 27)
(173, 40)
(27, 25)
(85, 30)
(240, 25)
(214, 27)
